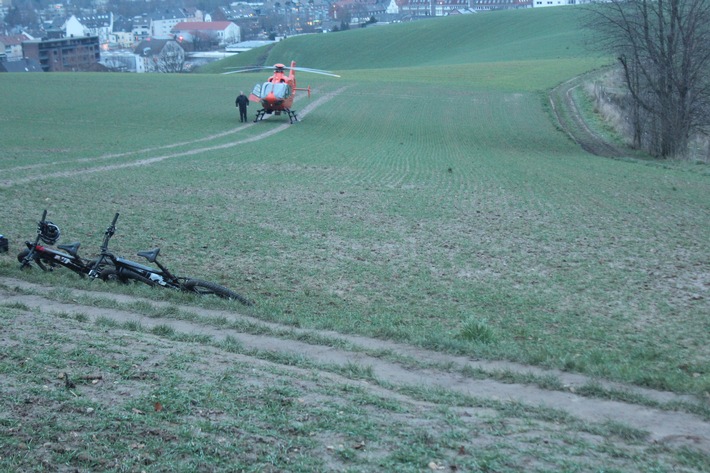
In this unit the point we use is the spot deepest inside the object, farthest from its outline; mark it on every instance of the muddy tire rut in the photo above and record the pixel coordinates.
(435, 370)
(570, 118)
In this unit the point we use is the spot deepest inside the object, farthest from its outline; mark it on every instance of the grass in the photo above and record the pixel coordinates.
(494, 37)
(358, 225)
(154, 407)
(429, 201)
(473, 330)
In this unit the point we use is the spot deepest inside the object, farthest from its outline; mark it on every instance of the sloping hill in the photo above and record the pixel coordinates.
(442, 278)
(481, 38)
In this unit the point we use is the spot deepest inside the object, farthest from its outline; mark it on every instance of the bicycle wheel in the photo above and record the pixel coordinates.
(22, 255)
(125, 277)
(209, 288)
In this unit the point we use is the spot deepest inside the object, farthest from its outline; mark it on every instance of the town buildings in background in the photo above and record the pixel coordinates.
(116, 35)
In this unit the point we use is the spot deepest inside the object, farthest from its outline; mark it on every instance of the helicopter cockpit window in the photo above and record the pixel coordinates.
(280, 91)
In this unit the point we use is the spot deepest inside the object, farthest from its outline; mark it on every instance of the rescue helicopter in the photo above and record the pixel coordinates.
(277, 93)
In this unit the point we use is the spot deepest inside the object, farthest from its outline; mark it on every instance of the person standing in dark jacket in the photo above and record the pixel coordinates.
(242, 102)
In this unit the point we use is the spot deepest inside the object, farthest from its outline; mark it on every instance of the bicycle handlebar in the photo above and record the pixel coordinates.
(112, 228)
(28, 257)
(93, 273)
(41, 225)
(109, 232)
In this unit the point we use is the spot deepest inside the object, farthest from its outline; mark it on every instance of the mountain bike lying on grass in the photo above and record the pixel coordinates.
(110, 267)
(48, 258)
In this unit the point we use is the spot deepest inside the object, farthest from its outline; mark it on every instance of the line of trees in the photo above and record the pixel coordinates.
(663, 48)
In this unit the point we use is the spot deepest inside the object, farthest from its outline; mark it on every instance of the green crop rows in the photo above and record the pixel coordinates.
(428, 199)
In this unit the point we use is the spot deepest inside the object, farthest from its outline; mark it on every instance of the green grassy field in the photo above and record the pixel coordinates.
(403, 203)
(430, 198)
(493, 37)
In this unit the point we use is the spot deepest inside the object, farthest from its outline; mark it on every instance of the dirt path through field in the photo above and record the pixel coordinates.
(436, 370)
(159, 158)
(565, 108)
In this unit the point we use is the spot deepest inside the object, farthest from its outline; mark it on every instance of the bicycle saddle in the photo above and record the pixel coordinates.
(150, 255)
(71, 248)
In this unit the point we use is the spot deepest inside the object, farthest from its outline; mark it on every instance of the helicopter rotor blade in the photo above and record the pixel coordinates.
(247, 69)
(314, 71)
(261, 68)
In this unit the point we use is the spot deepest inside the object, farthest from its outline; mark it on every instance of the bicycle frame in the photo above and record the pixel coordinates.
(127, 268)
(40, 254)
(161, 276)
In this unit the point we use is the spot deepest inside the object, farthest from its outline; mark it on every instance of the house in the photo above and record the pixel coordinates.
(231, 13)
(419, 8)
(486, 5)
(141, 28)
(555, 3)
(416, 7)
(445, 7)
(64, 54)
(159, 55)
(122, 36)
(12, 46)
(375, 10)
(161, 22)
(243, 15)
(392, 8)
(213, 33)
(355, 8)
(92, 25)
(194, 14)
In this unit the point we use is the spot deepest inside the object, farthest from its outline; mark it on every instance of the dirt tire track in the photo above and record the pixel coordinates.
(156, 159)
(666, 427)
(572, 121)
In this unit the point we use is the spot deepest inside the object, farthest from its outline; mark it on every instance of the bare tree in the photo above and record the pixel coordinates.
(663, 47)
(171, 58)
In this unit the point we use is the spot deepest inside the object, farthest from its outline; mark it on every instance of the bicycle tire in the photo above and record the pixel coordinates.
(125, 277)
(209, 288)
(22, 255)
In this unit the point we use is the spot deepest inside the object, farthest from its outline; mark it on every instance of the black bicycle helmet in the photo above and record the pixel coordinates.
(48, 232)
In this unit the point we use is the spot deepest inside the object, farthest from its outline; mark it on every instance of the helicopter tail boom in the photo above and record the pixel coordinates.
(308, 89)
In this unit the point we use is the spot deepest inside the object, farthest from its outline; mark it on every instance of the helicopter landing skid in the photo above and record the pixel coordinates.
(291, 114)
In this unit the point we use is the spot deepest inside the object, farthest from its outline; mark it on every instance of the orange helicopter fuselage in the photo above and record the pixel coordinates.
(279, 90)
(277, 94)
